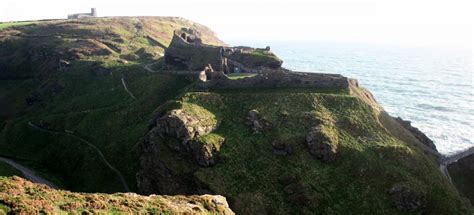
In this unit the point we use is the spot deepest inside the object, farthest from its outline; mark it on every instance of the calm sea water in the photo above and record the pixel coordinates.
(432, 87)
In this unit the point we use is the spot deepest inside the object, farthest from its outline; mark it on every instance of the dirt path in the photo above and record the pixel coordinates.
(126, 88)
(101, 155)
(28, 173)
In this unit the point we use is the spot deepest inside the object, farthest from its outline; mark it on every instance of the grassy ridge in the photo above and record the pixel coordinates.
(369, 163)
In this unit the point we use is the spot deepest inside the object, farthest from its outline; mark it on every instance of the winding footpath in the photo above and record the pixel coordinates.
(101, 155)
(126, 88)
(28, 173)
(446, 161)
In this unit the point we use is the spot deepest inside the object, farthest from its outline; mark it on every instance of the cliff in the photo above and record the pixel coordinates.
(462, 175)
(92, 106)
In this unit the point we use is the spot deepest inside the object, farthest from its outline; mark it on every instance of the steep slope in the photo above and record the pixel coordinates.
(83, 105)
(68, 78)
(19, 196)
(256, 179)
(462, 175)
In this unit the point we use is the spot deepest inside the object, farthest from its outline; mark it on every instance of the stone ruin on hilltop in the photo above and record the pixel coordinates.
(187, 52)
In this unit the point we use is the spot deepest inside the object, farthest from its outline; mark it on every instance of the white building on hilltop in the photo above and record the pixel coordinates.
(92, 14)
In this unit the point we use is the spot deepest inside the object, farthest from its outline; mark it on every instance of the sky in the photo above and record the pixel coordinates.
(399, 22)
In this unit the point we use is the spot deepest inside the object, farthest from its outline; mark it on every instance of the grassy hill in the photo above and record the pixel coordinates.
(85, 96)
(76, 105)
(255, 180)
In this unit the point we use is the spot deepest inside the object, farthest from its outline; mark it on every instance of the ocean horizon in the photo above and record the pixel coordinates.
(430, 86)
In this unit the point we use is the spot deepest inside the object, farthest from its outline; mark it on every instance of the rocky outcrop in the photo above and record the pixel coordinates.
(322, 143)
(184, 126)
(187, 134)
(420, 136)
(407, 199)
(280, 147)
(257, 123)
(462, 175)
(19, 196)
(205, 149)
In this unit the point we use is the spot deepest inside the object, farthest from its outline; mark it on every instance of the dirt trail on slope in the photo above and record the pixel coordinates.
(28, 173)
(126, 88)
(101, 155)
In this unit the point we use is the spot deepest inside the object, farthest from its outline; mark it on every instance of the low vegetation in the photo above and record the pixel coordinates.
(19, 196)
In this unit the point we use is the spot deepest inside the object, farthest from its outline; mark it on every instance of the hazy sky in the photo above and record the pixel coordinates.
(412, 22)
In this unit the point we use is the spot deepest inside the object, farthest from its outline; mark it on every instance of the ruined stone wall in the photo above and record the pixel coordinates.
(188, 56)
(279, 79)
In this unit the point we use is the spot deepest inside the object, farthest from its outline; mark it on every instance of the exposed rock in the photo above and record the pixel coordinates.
(322, 145)
(184, 126)
(257, 122)
(281, 148)
(407, 199)
(156, 176)
(462, 175)
(420, 136)
(205, 149)
(130, 57)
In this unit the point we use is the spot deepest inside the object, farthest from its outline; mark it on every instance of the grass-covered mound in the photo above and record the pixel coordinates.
(369, 162)
(18, 196)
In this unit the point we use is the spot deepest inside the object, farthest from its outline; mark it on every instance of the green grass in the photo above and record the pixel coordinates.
(7, 170)
(235, 76)
(19, 196)
(10, 24)
(98, 109)
(369, 163)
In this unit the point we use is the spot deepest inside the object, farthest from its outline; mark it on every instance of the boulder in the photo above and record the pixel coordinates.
(257, 122)
(322, 143)
(407, 199)
(281, 148)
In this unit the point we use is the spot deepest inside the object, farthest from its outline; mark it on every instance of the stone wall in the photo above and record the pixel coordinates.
(191, 55)
(278, 79)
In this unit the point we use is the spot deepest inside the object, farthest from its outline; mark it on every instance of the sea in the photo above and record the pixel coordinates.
(431, 87)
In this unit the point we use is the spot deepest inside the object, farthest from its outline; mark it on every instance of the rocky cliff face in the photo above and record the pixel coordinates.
(462, 175)
(18, 196)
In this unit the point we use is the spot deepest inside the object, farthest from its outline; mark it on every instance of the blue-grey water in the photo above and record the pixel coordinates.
(432, 87)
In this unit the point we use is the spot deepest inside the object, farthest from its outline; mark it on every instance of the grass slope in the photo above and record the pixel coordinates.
(18, 196)
(86, 97)
(371, 160)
